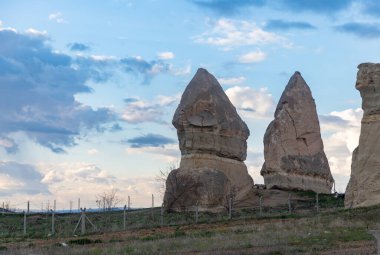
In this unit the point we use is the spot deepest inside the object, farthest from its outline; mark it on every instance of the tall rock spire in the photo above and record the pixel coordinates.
(207, 122)
(213, 143)
(293, 148)
(363, 188)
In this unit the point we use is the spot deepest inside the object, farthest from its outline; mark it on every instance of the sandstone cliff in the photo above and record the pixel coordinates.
(363, 188)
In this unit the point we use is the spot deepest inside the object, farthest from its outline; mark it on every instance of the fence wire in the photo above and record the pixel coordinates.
(68, 223)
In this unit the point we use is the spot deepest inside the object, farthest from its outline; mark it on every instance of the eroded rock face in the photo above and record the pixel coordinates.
(213, 143)
(207, 122)
(363, 188)
(293, 148)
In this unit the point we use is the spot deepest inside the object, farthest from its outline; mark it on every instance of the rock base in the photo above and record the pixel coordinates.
(298, 182)
(207, 181)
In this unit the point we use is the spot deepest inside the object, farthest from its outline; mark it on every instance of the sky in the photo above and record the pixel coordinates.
(88, 89)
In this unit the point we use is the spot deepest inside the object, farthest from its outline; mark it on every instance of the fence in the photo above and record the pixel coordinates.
(64, 223)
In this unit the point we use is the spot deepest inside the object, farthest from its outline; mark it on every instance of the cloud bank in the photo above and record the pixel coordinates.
(21, 179)
(38, 88)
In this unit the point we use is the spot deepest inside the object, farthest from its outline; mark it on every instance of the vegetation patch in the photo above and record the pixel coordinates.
(178, 233)
(152, 237)
(81, 241)
(205, 233)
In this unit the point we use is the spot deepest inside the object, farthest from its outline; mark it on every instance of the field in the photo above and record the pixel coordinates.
(331, 230)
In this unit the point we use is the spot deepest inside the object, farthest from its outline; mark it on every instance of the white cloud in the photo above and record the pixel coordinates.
(21, 179)
(340, 131)
(251, 103)
(253, 57)
(8, 183)
(75, 172)
(92, 151)
(57, 17)
(35, 32)
(254, 162)
(38, 78)
(231, 33)
(165, 55)
(169, 153)
(6, 143)
(103, 58)
(180, 71)
(168, 100)
(70, 181)
(139, 111)
(345, 127)
(231, 80)
(8, 29)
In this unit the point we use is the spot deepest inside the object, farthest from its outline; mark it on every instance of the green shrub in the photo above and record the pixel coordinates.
(81, 241)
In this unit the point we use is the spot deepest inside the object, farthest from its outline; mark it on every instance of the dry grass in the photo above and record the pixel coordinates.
(338, 232)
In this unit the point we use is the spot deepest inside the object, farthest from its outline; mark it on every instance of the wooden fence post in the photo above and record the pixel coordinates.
(230, 208)
(317, 202)
(196, 213)
(24, 223)
(125, 217)
(162, 215)
(152, 206)
(83, 218)
(52, 223)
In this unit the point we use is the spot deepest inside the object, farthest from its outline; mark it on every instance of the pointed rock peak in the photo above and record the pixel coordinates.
(296, 81)
(202, 71)
(296, 94)
(201, 87)
(203, 80)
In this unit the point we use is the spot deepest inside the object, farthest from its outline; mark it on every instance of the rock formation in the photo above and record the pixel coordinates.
(363, 188)
(293, 148)
(212, 139)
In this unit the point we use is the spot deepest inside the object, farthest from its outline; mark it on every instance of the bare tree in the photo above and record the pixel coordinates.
(107, 200)
(181, 189)
(7, 206)
(162, 176)
(231, 199)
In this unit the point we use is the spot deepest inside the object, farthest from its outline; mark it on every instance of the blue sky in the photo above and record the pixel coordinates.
(88, 88)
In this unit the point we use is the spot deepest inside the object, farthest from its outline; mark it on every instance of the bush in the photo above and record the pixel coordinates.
(81, 241)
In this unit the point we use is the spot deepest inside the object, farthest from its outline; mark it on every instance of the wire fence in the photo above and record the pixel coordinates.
(64, 223)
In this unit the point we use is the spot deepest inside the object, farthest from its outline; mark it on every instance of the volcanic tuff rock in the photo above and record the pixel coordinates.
(213, 143)
(363, 188)
(293, 148)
